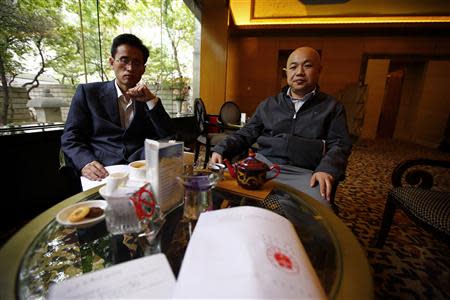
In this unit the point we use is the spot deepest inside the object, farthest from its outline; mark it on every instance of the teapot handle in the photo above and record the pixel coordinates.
(277, 170)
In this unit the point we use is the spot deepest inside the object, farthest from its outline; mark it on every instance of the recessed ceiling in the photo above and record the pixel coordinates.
(287, 12)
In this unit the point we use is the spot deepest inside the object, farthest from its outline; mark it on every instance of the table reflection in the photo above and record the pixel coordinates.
(58, 253)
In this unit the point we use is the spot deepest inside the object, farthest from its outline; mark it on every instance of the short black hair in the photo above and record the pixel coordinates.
(131, 40)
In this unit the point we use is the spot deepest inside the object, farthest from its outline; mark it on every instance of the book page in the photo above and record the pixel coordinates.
(149, 277)
(246, 252)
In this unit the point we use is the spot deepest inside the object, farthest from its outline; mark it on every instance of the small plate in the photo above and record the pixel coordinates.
(88, 184)
(63, 215)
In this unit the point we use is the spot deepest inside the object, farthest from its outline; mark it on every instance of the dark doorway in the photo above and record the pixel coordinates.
(391, 103)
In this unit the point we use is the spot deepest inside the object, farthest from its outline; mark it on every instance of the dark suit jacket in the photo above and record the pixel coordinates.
(93, 130)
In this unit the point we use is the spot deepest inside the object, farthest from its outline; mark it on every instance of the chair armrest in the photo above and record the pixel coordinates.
(417, 177)
(229, 126)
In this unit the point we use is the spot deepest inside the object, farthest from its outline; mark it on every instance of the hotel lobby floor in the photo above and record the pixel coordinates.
(412, 264)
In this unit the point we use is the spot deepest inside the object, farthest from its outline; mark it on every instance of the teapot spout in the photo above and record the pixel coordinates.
(230, 168)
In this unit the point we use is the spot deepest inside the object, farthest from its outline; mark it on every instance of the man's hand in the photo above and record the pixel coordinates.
(140, 93)
(216, 158)
(325, 183)
(94, 171)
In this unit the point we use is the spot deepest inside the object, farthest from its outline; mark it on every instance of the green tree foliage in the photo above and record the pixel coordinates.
(68, 61)
(19, 30)
(50, 31)
(176, 30)
(178, 23)
(48, 21)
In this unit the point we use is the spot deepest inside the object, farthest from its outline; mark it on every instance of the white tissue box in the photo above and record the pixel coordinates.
(164, 165)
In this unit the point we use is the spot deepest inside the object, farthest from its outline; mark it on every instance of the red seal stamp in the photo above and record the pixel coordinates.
(282, 260)
(144, 202)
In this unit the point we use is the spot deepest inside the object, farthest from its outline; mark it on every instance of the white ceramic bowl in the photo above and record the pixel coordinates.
(63, 215)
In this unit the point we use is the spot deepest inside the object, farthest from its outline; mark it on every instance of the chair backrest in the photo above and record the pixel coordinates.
(200, 115)
(230, 113)
(68, 173)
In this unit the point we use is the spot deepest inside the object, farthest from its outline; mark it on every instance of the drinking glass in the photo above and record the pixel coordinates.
(197, 192)
(120, 213)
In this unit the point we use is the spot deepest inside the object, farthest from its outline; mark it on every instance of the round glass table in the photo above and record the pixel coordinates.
(44, 252)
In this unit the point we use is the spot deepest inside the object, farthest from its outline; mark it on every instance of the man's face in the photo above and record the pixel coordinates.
(128, 65)
(303, 70)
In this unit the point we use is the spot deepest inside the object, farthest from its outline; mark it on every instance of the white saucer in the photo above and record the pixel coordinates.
(63, 215)
(88, 184)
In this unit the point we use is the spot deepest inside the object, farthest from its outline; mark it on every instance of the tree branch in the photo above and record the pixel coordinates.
(42, 70)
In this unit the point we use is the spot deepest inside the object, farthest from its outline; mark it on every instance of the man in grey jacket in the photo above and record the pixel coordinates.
(302, 129)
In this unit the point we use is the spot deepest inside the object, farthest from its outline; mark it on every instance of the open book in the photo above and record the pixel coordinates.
(164, 163)
(241, 252)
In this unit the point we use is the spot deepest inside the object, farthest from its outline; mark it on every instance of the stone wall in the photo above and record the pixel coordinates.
(66, 93)
(18, 111)
(169, 104)
(58, 91)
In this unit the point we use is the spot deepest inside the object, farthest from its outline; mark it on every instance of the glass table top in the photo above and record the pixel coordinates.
(58, 253)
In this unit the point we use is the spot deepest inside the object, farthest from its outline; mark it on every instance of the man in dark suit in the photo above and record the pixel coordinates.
(108, 122)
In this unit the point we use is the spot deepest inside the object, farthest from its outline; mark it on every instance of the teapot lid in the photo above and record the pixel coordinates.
(251, 163)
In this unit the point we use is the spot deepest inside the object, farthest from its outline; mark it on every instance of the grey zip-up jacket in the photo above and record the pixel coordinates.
(315, 138)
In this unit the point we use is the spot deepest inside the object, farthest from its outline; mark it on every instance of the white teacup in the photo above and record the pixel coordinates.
(114, 181)
(137, 170)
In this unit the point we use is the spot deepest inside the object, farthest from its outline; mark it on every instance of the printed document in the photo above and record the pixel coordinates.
(246, 252)
(145, 278)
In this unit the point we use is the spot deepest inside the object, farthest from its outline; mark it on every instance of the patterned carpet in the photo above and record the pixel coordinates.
(412, 264)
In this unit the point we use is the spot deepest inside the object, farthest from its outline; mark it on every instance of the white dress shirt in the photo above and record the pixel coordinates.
(299, 102)
(126, 107)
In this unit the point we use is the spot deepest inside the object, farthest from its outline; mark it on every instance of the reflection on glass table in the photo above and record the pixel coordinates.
(58, 253)
(44, 252)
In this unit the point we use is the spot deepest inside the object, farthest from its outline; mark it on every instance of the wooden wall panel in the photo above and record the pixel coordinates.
(255, 57)
(300, 41)
(213, 53)
(434, 106)
(233, 73)
(399, 45)
(244, 67)
(442, 47)
(412, 88)
(377, 70)
(342, 58)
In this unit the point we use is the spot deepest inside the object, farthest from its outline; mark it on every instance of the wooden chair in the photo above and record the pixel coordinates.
(205, 137)
(230, 116)
(429, 208)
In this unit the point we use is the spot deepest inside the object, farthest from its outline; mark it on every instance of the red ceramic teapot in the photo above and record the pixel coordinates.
(250, 173)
